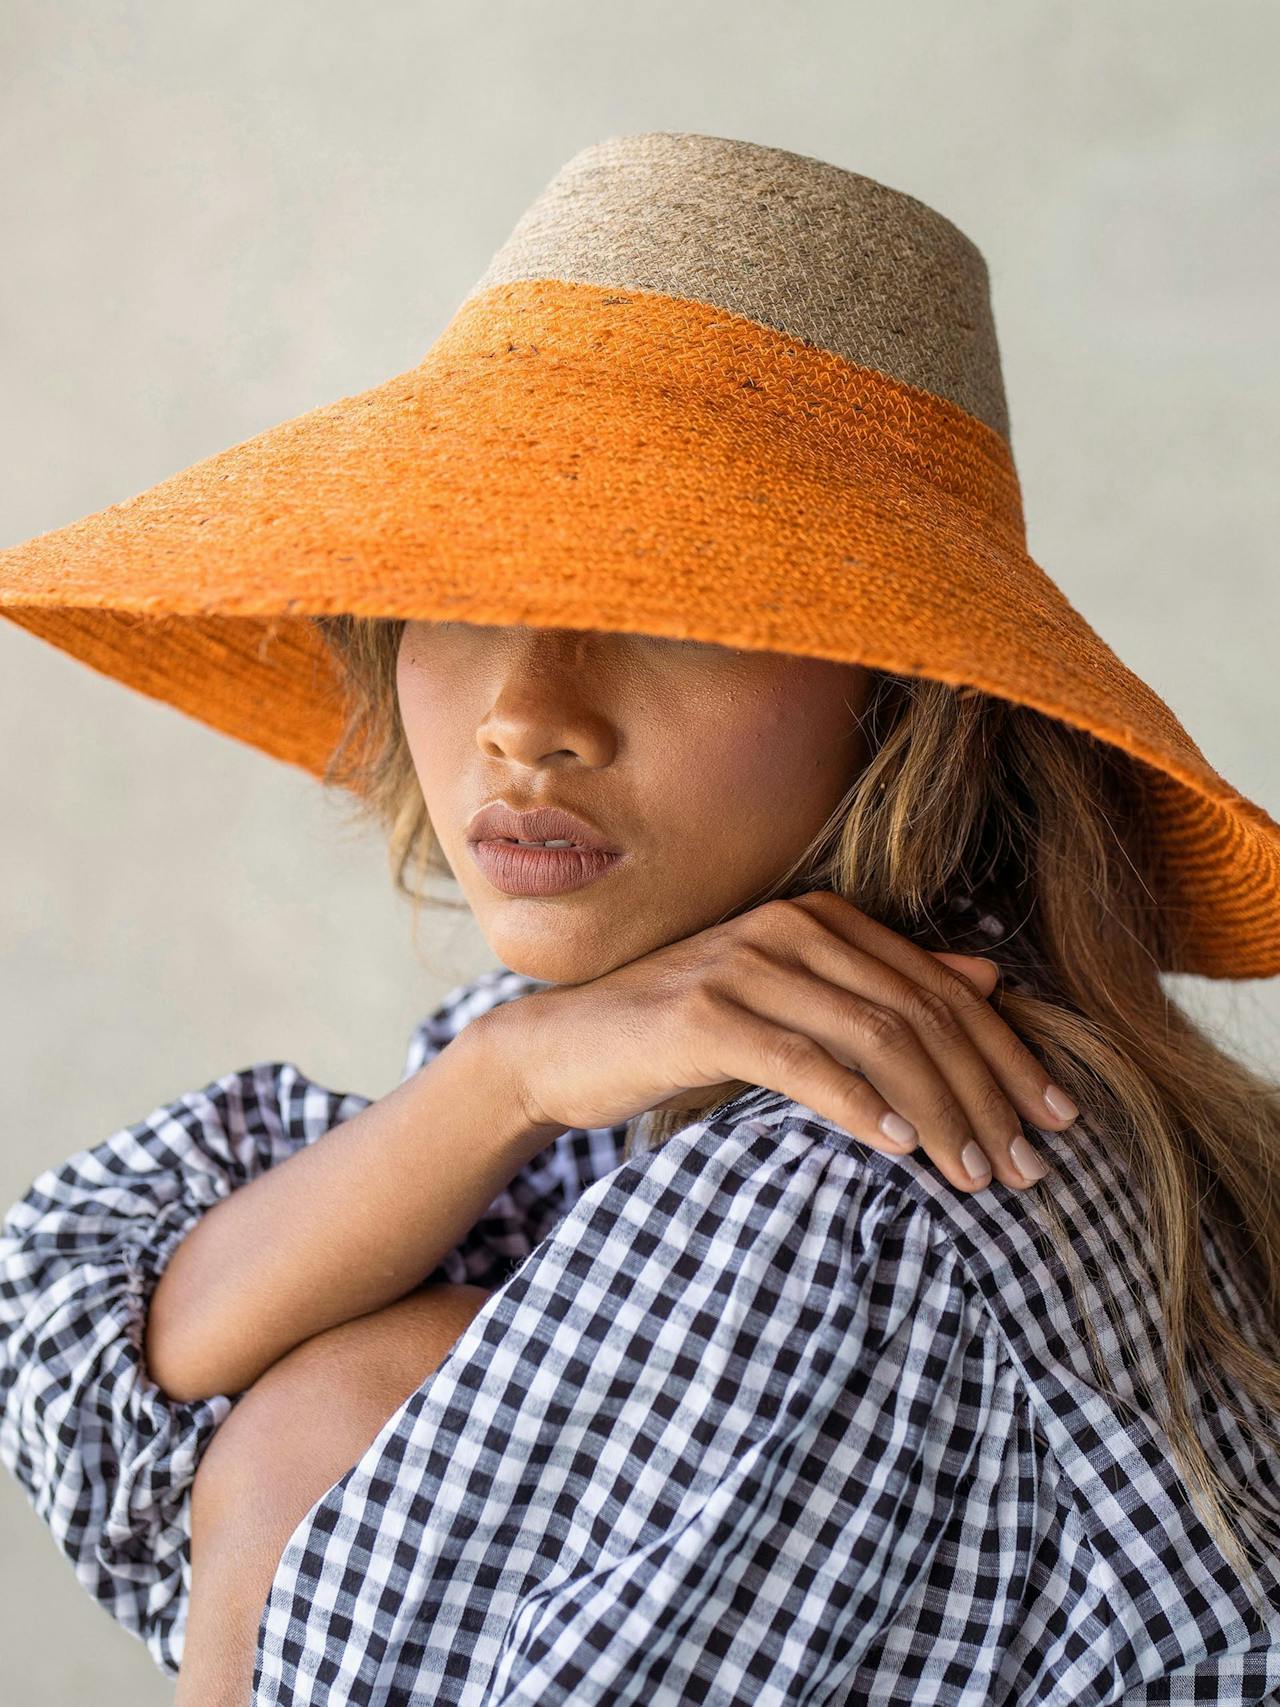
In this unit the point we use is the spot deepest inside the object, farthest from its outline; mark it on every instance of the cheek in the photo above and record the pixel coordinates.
(762, 751)
(783, 749)
(430, 726)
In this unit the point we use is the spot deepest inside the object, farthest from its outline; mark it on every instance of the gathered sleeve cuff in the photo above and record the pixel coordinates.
(106, 1458)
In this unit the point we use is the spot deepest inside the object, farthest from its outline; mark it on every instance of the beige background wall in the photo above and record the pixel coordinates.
(217, 216)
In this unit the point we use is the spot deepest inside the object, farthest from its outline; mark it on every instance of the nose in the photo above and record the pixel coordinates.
(548, 706)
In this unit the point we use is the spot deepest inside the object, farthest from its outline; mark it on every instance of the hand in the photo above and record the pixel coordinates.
(793, 995)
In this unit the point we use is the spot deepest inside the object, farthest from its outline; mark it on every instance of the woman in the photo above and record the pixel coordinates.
(620, 1354)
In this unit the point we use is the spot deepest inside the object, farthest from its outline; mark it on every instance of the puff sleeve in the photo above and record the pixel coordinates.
(734, 1432)
(106, 1458)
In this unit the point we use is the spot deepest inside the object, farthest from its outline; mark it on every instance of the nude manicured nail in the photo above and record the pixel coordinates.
(1058, 1102)
(899, 1130)
(976, 1165)
(1025, 1159)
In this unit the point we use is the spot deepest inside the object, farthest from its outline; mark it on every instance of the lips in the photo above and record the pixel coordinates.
(499, 822)
(541, 871)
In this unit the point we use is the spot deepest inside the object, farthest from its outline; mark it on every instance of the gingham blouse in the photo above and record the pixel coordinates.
(757, 1416)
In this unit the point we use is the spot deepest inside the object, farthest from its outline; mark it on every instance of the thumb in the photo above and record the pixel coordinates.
(984, 973)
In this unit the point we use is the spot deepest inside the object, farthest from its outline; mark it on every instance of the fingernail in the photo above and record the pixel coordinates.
(1025, 1159)
(976, 1165)
(1058, 1102)
(899, 1131)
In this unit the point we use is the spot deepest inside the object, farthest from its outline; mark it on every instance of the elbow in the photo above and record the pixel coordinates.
(165, 1366)
(180, 1358)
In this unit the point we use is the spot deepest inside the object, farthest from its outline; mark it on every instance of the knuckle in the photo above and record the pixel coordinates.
(781, 919)
(930, 1012)
(745, 959)
(791, 1050)
(994, 1105)
(825, 901)
(701, 1006)
(945, 1112)
(814, 900)
(881, 1028)
(958, 993)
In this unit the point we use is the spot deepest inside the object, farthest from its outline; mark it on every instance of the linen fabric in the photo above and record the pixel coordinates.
(757, 1416)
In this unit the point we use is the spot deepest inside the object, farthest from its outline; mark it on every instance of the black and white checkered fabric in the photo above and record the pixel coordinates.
(759, 1416)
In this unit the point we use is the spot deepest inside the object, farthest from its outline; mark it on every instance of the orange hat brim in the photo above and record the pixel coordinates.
(570, 456)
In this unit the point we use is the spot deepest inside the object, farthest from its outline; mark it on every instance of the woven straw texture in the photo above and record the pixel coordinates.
(707, 389)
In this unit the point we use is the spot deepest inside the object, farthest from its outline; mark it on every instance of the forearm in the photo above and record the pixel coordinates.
(344, 1226)
(300, 1427)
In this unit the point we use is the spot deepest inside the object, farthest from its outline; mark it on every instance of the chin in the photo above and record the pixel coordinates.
(557, 960)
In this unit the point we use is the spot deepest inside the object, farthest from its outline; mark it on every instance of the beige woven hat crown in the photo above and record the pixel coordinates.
(707, 388)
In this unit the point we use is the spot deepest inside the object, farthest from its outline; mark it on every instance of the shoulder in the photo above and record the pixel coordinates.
(1050, 1292)
(765, 1181)
(769, 1216)
(765, 1141)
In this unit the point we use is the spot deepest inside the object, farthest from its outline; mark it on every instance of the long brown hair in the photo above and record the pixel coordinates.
(963, 789)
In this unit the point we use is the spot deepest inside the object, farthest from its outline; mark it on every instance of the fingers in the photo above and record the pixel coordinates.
(948, 1096)
(978, 970)
(794, 1063)
(1022, 1078)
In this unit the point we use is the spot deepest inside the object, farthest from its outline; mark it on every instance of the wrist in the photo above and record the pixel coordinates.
(492, 1053)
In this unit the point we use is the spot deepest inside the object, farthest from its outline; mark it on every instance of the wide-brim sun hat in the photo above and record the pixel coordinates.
(707, 389)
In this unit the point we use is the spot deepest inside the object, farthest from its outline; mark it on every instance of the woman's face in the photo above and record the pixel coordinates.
(711, 768)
